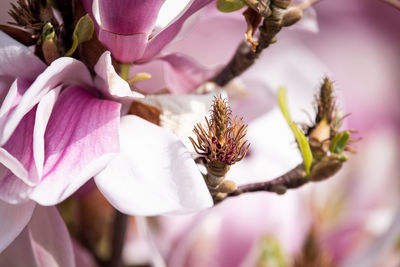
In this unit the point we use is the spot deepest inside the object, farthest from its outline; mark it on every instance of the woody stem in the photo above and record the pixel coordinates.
(294, 178)
(244, 57)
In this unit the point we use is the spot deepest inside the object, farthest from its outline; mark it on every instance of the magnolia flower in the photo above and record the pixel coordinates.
(58, 131)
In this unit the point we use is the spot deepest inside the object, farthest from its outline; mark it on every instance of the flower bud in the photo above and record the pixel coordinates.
(327, 167)
(227, 186)
(292, 16)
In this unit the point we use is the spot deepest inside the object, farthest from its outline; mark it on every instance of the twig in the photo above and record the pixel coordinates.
(244, 57)
(119, 230)
(290, 180)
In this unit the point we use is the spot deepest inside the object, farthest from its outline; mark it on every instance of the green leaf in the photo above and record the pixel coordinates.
(283, 105)
(83, 32)
(305, 149)
(339, 142)
(301, 139)
(230, 5)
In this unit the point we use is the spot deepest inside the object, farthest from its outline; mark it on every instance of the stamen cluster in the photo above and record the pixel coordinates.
(223, 139)
(27, 14)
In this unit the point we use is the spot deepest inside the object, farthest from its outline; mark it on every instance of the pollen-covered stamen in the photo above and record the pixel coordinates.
(223, 139)
(220, 118)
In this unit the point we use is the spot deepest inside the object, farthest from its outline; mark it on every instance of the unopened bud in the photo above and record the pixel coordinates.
(227, 186)
(281, 3)
(327, 167)
(279, 189)
(292, 16)
(50, 51)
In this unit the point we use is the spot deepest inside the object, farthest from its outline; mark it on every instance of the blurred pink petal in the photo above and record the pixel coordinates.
(12, 257)
(13, 220)
(166, 35)
(225, 235)
(153, 174)
(45, 242)
(373, 254)
(182, 74)
(81, 138)
(83, 258)
(18, 60)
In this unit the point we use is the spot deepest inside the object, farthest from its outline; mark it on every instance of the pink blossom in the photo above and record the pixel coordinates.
(58, 131)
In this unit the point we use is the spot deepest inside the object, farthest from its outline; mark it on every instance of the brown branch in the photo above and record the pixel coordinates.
(277, 16)
(290, 180)
(244, 57)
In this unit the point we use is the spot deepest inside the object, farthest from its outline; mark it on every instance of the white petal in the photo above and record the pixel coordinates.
(109, 82)
(180, 113)
(154, 173)
(18, 60)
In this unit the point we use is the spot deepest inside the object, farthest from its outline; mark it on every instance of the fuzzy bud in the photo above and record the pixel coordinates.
(327, 167)
(227, 186)
(292, 16)
(282, 3)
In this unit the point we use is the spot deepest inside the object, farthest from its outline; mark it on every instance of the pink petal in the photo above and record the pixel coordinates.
(5, 83)
(219, 48)
(81, 138)
(153, 174)
(125, 25)
(374, 253)
(127, 16)
(50, 239)
(44, 242)
(12, 255)
(62, 71)
(43, 112)
(18, 60)
(19, 171)
(13, 219)
(110, 83)
(165, 36)
(22, 156)
(12, 99)
(182, 74)
(253, 100)
(83, 258)
(124, 48)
